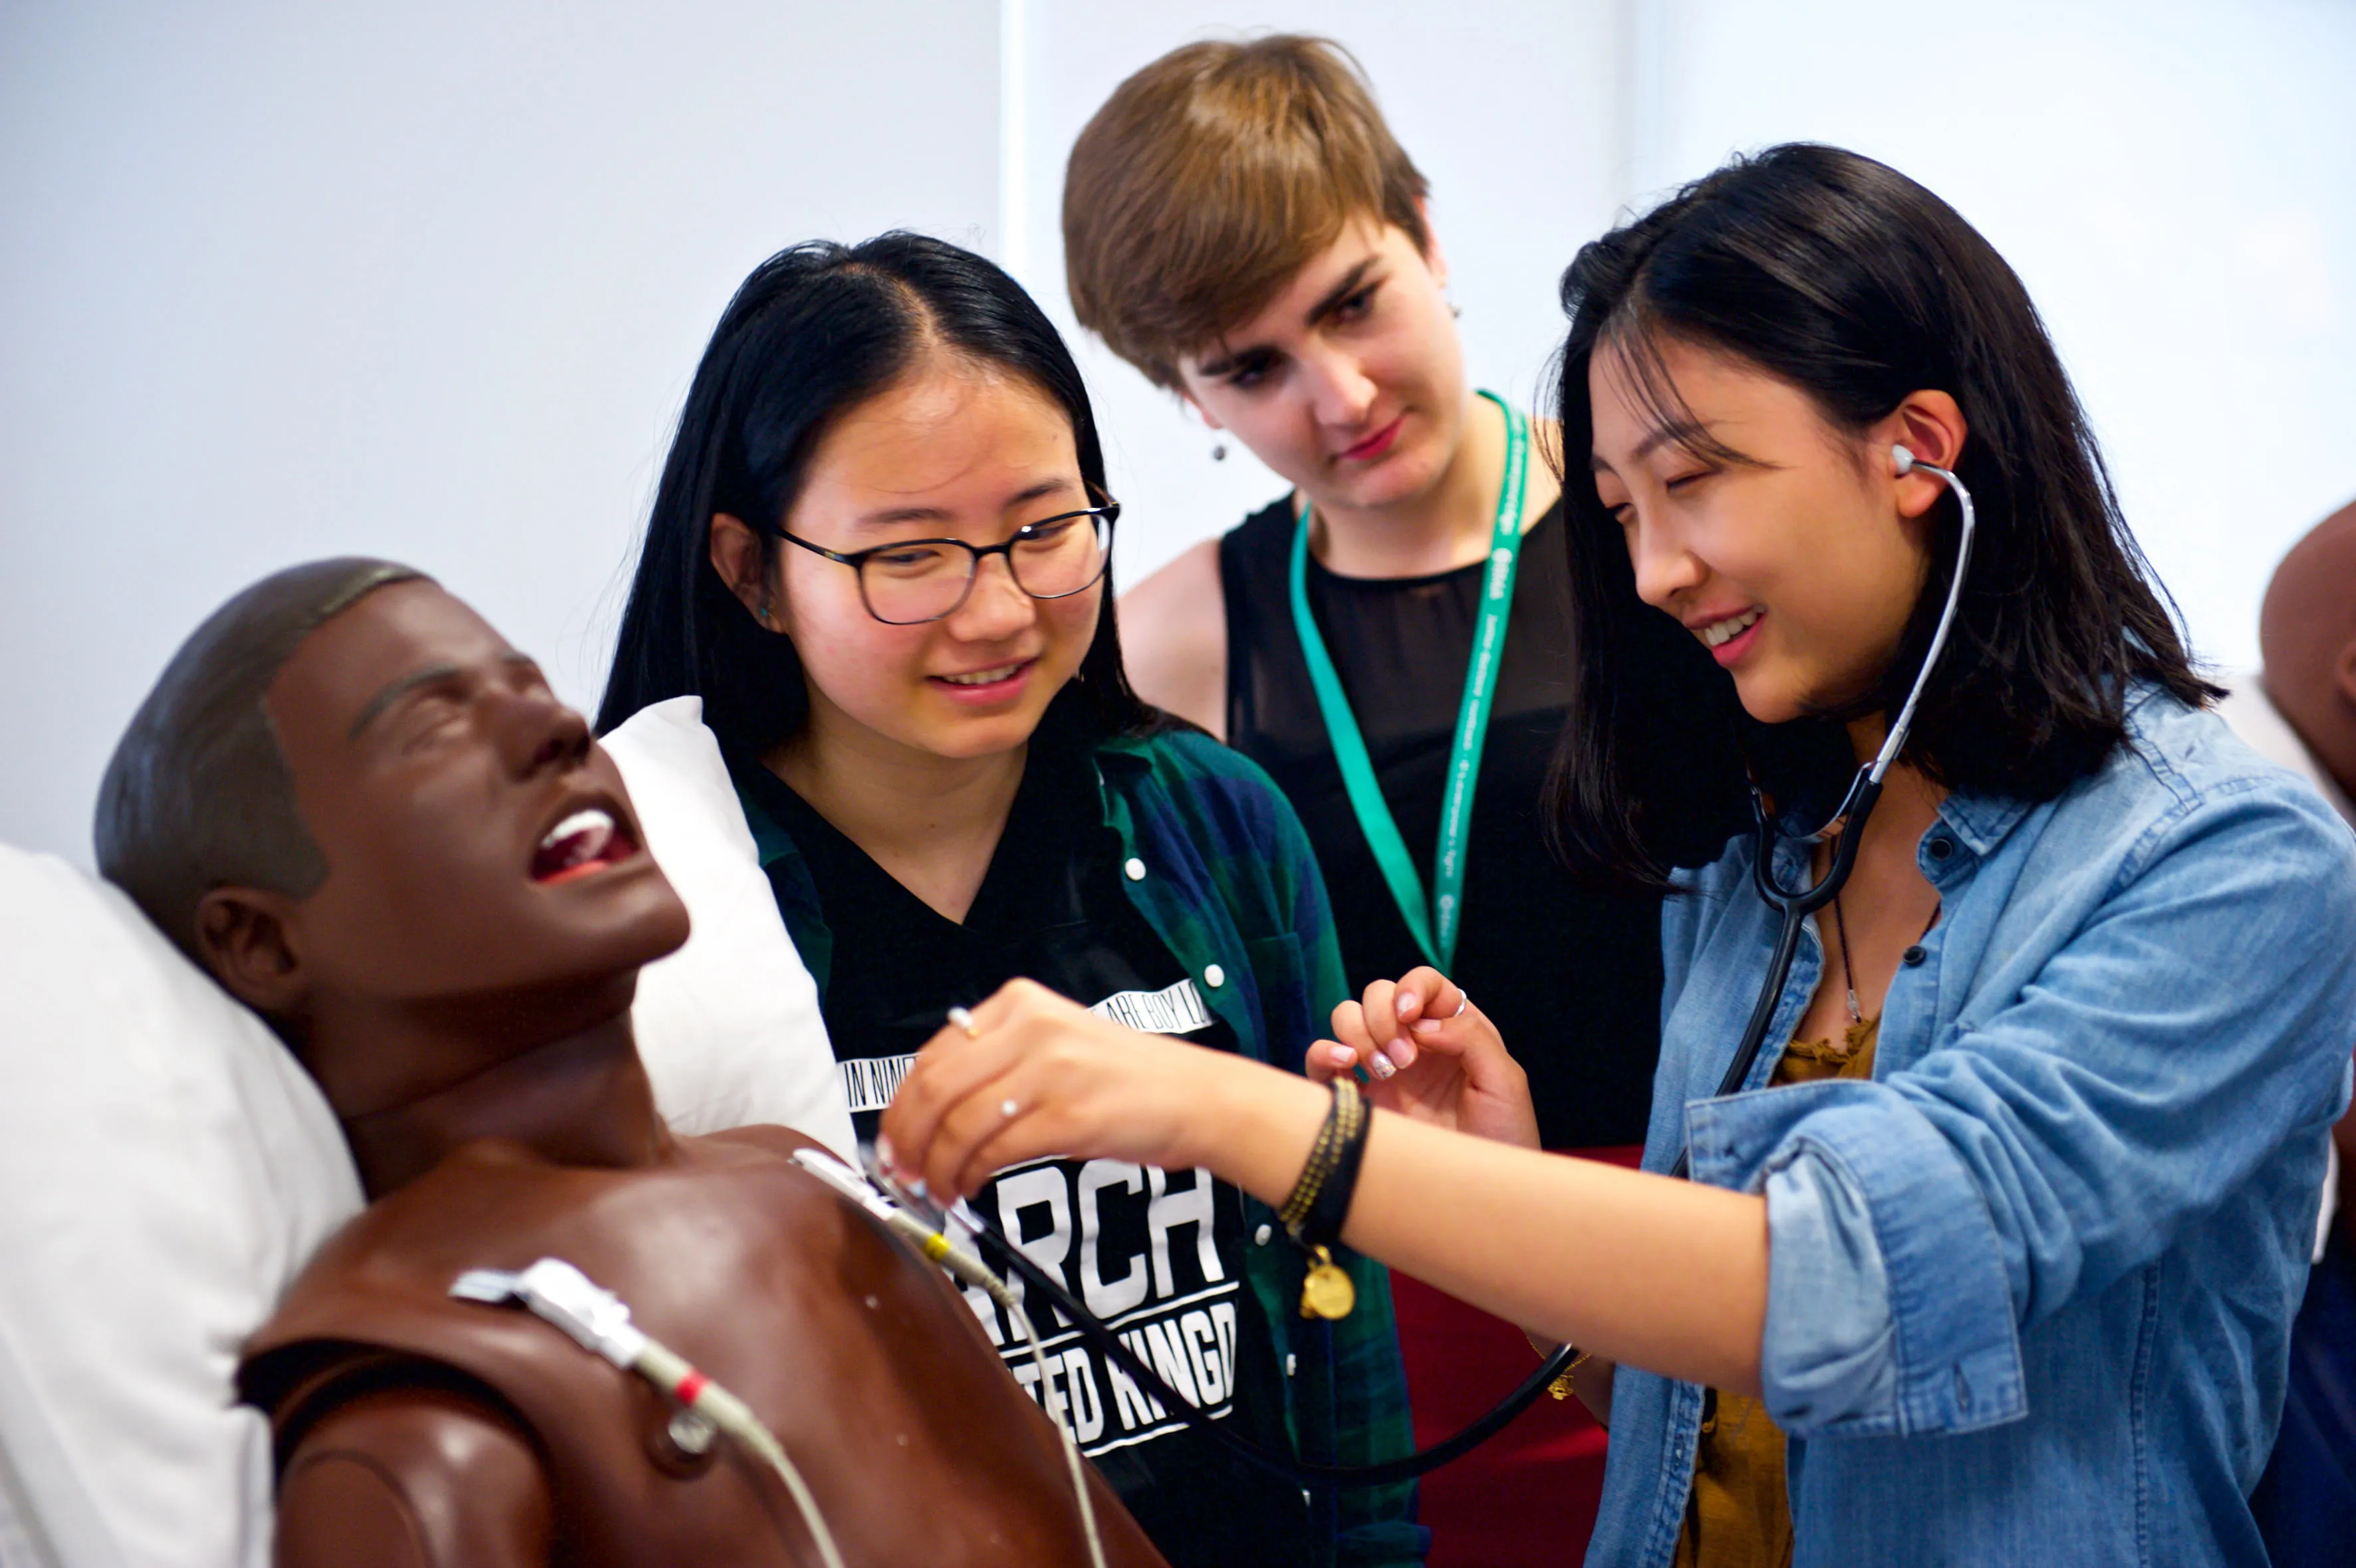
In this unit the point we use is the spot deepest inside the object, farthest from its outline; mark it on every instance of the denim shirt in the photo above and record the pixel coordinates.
(2031, 1288)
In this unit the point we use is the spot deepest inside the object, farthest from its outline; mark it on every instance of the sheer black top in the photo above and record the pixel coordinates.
(1571, 977)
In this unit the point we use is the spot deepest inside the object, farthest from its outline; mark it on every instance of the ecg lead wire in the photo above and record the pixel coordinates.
(599, 1321)
(935, 1244)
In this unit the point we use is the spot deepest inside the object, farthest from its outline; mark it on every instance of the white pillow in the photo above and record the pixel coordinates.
(728, 1025)
(165, 1170)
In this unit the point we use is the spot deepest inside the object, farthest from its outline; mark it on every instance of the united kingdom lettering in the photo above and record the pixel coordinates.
(1137, 1246)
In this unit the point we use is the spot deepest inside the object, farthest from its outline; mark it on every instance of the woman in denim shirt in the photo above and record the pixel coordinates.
(1995, 1259)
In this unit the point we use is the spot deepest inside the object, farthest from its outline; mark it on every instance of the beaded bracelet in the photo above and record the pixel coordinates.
(1319, 1205)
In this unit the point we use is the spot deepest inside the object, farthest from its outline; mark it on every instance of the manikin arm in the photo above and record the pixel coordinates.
(414, 1478)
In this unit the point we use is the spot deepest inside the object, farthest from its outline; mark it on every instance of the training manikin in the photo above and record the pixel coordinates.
(365, 814)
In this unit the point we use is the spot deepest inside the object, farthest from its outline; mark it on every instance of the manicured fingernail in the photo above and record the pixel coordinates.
(1380, 1064)
(1406, 999)
(1403, 1053)
(1426, 1025)
(917, 1187)
(883, 1152)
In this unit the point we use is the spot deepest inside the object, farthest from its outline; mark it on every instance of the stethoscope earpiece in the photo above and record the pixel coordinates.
(1903, 459)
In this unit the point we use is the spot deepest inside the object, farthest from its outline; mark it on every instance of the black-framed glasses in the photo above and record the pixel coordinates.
(911, 581)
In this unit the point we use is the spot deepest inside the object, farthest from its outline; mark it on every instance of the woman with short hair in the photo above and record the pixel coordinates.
(1240, 225)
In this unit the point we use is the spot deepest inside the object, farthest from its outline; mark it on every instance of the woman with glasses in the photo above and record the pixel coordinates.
(878, 553)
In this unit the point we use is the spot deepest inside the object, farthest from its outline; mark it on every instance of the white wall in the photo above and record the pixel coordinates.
(278, 280)
(2175, 180)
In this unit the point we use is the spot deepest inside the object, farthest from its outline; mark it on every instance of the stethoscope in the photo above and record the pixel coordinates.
(1846, 827)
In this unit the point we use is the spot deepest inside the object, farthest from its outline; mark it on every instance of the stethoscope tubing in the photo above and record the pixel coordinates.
(1298, 1471)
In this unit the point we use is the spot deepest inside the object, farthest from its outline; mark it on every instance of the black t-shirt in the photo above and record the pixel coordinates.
(1571, 977)
(1158, 1255)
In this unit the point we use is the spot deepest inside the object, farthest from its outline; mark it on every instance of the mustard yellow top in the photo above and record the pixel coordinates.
(1737, 1515)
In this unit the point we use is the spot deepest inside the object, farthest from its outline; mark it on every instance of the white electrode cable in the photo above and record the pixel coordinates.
(932, 1241)
(599, 1321)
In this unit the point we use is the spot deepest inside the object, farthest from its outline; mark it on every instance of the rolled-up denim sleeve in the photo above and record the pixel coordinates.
(2070, 1124)
(1887, 1309)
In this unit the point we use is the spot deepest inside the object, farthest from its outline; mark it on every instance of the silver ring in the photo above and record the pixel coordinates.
(964, 1020)
(1009, 1108)
(1464, 1000)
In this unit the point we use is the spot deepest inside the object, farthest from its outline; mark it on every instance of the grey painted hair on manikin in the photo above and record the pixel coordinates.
(197, 795)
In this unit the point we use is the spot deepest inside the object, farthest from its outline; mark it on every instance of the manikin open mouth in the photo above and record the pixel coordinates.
(584, 843)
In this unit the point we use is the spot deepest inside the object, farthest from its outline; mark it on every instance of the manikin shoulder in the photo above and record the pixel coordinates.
(1174, 637)
(414, 1478)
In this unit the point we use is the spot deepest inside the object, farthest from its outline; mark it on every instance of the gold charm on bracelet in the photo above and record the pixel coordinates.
(1327, 1292)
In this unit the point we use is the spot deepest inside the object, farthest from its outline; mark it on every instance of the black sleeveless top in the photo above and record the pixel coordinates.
(1571, 977)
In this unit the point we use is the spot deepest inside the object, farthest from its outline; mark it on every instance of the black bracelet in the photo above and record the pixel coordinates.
(1315, 1168)
(1329, 1209)
(1320, 1202)
(1332, 1206)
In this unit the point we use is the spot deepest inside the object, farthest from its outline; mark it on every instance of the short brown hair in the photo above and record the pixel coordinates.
(1213, 175)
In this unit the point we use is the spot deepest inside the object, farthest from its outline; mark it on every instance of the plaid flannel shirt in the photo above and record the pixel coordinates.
(1231, 882)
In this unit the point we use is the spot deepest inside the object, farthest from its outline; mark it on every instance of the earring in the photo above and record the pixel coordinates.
(765, 612)
(1218, 451)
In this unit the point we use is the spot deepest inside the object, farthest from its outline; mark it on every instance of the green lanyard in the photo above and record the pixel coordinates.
(1435, 933)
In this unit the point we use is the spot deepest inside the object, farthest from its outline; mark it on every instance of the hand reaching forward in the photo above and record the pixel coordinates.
(1430, 1054)
(1037, 1074)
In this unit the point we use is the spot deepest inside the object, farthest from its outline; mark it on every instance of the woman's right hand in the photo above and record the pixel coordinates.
(1430, 1054)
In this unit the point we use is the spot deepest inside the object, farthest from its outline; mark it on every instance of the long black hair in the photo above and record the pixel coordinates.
(814, 332)
(1843, 278)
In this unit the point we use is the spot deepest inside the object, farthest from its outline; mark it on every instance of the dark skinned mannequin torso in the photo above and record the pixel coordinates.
(459, 985)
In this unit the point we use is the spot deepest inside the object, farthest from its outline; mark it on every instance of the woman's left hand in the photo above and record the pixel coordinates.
(1040, 1075)
(1430, 1054)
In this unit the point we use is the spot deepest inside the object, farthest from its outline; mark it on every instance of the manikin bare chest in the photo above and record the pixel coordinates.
(865, 1363)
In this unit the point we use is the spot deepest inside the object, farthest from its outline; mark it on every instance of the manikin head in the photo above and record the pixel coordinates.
(366, 816)
(2307, 630)
(1240, 225)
